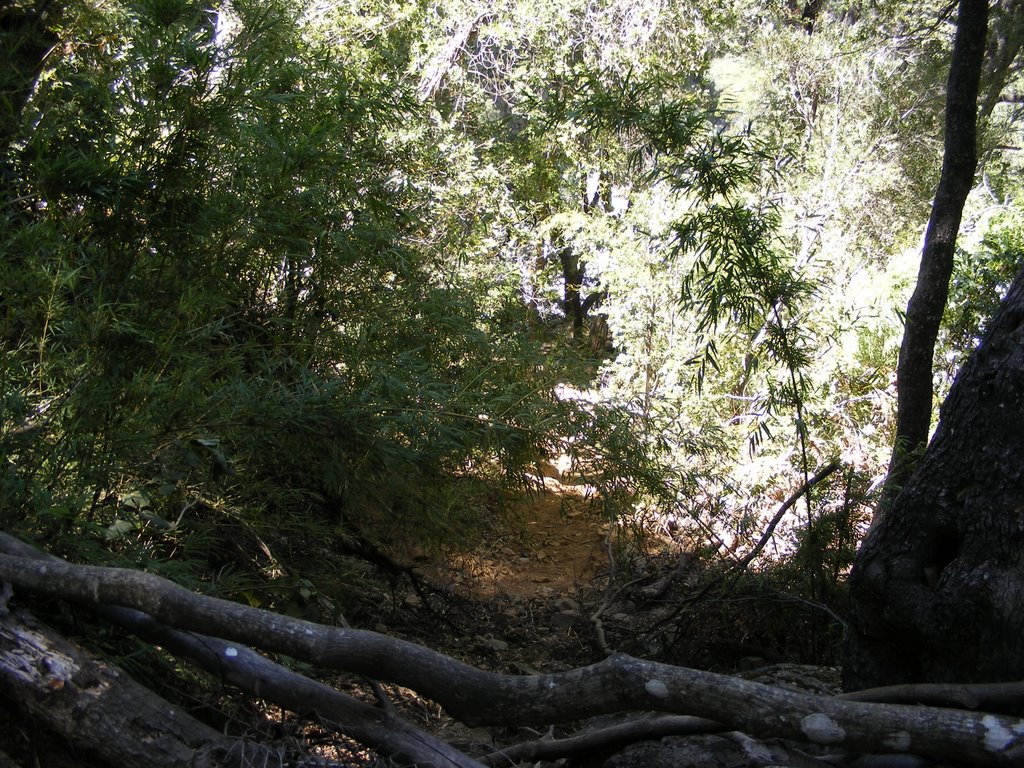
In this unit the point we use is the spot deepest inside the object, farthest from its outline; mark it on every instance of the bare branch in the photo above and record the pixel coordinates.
(603, 739)
(619, 683)
(820, 475)
(377, 728)
(990, 697)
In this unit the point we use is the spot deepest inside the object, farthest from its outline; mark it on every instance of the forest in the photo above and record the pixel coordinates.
(448, 383)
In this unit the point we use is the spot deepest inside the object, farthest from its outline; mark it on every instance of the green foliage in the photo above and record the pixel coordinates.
(979, 283)
(275, 272)
(219, 304)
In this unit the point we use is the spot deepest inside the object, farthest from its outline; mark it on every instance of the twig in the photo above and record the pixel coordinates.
(603, 739)
(820, 475)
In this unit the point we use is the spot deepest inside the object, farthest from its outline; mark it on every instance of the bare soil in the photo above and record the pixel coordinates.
(553, 545)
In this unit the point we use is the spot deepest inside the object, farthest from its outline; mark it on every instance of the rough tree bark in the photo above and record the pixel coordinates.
(620, 683)
(937, 588)
(573, 273)
(99, 708)
(928, 302)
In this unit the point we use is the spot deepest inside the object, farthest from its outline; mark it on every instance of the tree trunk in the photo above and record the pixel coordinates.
(573, 271)
(928, 302)
(1005, 40)
(937, 588)
(24, 42)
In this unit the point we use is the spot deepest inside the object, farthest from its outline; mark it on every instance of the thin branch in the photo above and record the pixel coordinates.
(445, 59)
(820, 475)
(603, 739)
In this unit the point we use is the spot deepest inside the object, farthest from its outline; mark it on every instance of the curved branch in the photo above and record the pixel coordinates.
(820, 475)
(477, 697)
(603, 739)
(258, 676)
(990, 697)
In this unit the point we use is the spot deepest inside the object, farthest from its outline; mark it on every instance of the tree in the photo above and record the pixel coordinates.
(924, 311)
(937, 589)
(216, 225)
(24, 41)
(1005, 41)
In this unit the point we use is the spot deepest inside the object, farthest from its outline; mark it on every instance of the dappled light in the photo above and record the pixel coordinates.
(550, 382)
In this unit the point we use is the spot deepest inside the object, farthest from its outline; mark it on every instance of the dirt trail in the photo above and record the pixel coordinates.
(557, 546)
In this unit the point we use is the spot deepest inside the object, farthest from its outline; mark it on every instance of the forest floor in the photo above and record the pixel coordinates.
(543, 593)
(528, 599)
(547, 590)
(553, 546)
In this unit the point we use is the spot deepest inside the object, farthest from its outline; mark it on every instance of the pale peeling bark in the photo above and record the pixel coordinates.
(477, 697)
(97, 707)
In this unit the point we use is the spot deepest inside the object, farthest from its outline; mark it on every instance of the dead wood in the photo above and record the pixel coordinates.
(988, 697)
(97, 707)
(619, 683)
(375, 727)
(605, 739)
(378, 728)
(445, 59)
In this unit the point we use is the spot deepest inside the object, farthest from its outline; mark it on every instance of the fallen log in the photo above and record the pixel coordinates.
(375, 727)
(604, 740)
(1007, 698)
(477, 697)
(99, 708)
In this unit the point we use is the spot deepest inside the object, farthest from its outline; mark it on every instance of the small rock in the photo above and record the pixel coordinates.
(565, 604)
(492, 643)
(567, 619)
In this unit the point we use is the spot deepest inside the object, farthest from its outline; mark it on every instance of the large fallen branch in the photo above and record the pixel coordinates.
(987, 697)
(603, 739)
(258, 676)
(477, 697)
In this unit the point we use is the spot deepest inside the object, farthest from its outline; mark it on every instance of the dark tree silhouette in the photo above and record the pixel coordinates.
(937, 588)
(926, 306)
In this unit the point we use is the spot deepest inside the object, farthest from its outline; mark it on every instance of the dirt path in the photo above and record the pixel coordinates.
(556, 546)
